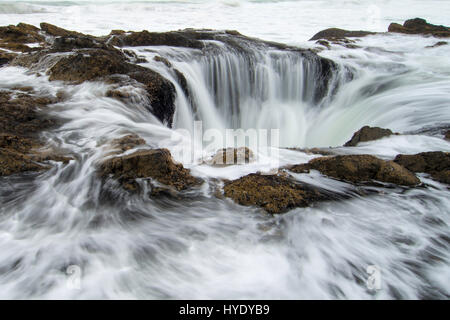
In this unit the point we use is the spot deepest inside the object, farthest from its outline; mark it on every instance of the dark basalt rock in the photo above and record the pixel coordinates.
(359, 169)
(325, 69)
(336, 34)
(274, 193)
(436, 164)
(420, 26)
(447, 135)
(161, 93)
(438, 44)
(368, 134)
(156, 164)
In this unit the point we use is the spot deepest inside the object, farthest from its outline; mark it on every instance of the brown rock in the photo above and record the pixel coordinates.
(98, 64)
(163, 60)
(335, 33)
(15, 38)
(324, 43)
(22, 33)
(437, 164)
(447, 135)
(156, 164)
(145, 38)
(359, 169)
(368, 134)
(20, 115)
(231, 156)
(88, 65)
(6, 57)
(274, 193)
(57, 31)
(420, 26)
(20, 123)
(12, 162)
(127, 142)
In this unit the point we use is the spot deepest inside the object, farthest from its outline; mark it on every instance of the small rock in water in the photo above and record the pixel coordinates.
(335, 34)
(368, 134)
(231, 156)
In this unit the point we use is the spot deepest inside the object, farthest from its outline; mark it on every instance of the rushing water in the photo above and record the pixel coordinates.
(205, 247)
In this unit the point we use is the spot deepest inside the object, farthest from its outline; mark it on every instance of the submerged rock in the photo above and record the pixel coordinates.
(337, 34)
(12, 162)
(16, 38)
(420, 26)
(127, 142)
(20, 114)
(359, 169)
(447, 135)
(436, 164)
(156, 164)
(6, 57)
(231, 156)
(438, 44)
(368, 134)
(274, 193)
(21, 122)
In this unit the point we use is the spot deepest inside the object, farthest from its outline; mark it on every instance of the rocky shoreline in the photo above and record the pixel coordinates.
(74, 58)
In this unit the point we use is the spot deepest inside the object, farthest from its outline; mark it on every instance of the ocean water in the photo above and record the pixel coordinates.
(58, 240)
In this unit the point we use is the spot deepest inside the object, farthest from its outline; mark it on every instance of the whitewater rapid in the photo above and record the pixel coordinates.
(204, 247)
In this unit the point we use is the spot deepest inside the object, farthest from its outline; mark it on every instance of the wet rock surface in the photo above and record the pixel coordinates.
(420, 26)
(17, 37)
(231, 156)
(436, 164)
(273, 193)
(367, 133)
(355, 169)
(145, 38)
(447, 135)
(6, 57)
(339, 34)
(127, 142)
(21, 122)
(156, 164)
